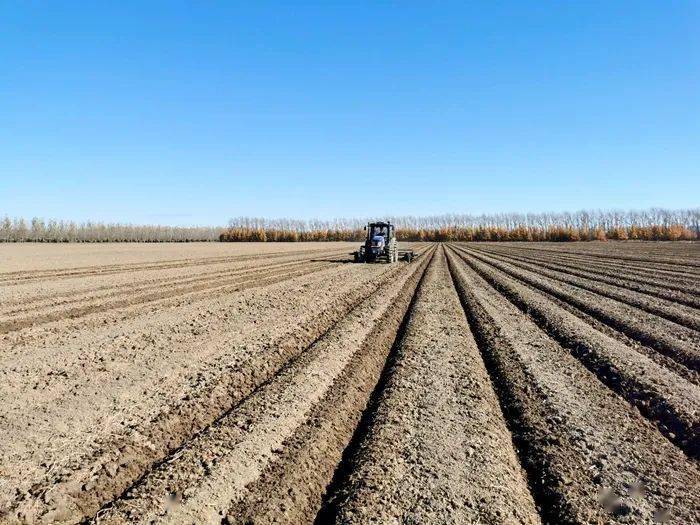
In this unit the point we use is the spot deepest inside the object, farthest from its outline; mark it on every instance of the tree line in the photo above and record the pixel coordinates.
(655, 224)
(40, 230)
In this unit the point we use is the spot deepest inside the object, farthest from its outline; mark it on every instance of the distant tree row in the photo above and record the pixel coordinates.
(655, 224)
(39, 230)
(673, 232)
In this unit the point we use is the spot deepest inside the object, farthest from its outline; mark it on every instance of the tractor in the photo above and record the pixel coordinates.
(381, 245)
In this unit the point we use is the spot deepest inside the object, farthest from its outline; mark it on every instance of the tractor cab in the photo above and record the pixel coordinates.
(378, 234)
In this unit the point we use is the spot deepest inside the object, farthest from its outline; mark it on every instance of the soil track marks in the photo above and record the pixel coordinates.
(678, 342)
(47, 309)
(482, 383)
(590, 456)
(435, 447)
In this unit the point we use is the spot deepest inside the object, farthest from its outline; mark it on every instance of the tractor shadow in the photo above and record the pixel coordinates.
(342, 261)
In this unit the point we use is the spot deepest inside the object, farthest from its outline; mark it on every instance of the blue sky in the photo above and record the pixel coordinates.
(194, 112)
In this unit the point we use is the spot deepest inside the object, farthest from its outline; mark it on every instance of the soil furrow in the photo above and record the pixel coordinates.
(566, 257)
(676, 341)
(661, 275)
(677, 263)
(435, 447)
(86, 482)
(10, 278)
(273, 383)
(609, 266)
(25, 298)
(248, 461)
(684, 293)
(123, 315)
(152, 294)
(662, 360)
(590, 457)
(685, 316)
(662, 396)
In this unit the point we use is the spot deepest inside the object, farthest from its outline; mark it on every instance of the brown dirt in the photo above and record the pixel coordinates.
(638, 276)
(245, 447)
(274, 383)
(677, 341)
(685, 293)
(591, 457)
(38, 259)
(127, 389)
(436, 448)
(680, 256)
(659, 393)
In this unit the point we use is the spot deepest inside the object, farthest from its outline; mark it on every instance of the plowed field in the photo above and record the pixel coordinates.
(223, 383)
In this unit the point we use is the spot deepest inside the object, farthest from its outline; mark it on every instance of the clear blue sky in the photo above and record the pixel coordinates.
(193, 112)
